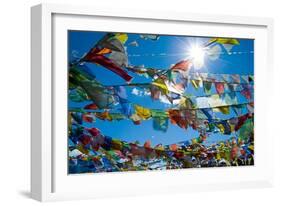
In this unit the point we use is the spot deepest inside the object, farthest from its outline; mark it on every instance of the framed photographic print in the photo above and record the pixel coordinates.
(135, 102)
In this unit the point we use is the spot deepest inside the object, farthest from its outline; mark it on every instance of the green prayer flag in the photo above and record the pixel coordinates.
(207, 87)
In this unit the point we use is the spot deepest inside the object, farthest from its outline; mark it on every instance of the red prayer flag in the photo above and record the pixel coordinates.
(173, 147)
(246, 93)
(85, 139)
(147, 144)
(219, 87)
(94, 57)
(94, 131)
(87, 118)
(91, 106)
(183, 65)
(241, 121)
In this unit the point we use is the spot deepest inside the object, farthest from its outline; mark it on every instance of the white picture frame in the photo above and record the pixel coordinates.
(49, 178)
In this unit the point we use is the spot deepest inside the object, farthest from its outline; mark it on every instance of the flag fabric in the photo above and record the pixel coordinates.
(207, 87)
(219, 87)
(107, 63)
(183, 65)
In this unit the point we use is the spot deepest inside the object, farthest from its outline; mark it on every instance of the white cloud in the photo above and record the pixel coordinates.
(138, 92)
(165, 100)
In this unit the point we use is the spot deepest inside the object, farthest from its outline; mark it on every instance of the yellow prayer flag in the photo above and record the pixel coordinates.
(142, 112)
(195, 83)
(121, 37)
(220, 127)
(222, 109)
(225, 41)
(161, 84)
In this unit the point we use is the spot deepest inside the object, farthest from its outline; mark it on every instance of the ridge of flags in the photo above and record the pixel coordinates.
(196, 118)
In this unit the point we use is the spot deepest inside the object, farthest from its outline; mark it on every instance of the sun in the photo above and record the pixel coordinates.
(197, 56)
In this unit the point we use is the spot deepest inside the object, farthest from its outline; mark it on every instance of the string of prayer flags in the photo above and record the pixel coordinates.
(225, 78)
(180, 68)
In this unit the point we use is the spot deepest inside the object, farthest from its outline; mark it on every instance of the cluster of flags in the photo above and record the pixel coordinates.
(91, 151)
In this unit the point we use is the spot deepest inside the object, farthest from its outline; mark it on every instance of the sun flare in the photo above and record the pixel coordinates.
(197, 55)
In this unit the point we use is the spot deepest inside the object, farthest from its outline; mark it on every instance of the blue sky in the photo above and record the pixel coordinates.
(160, 54)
